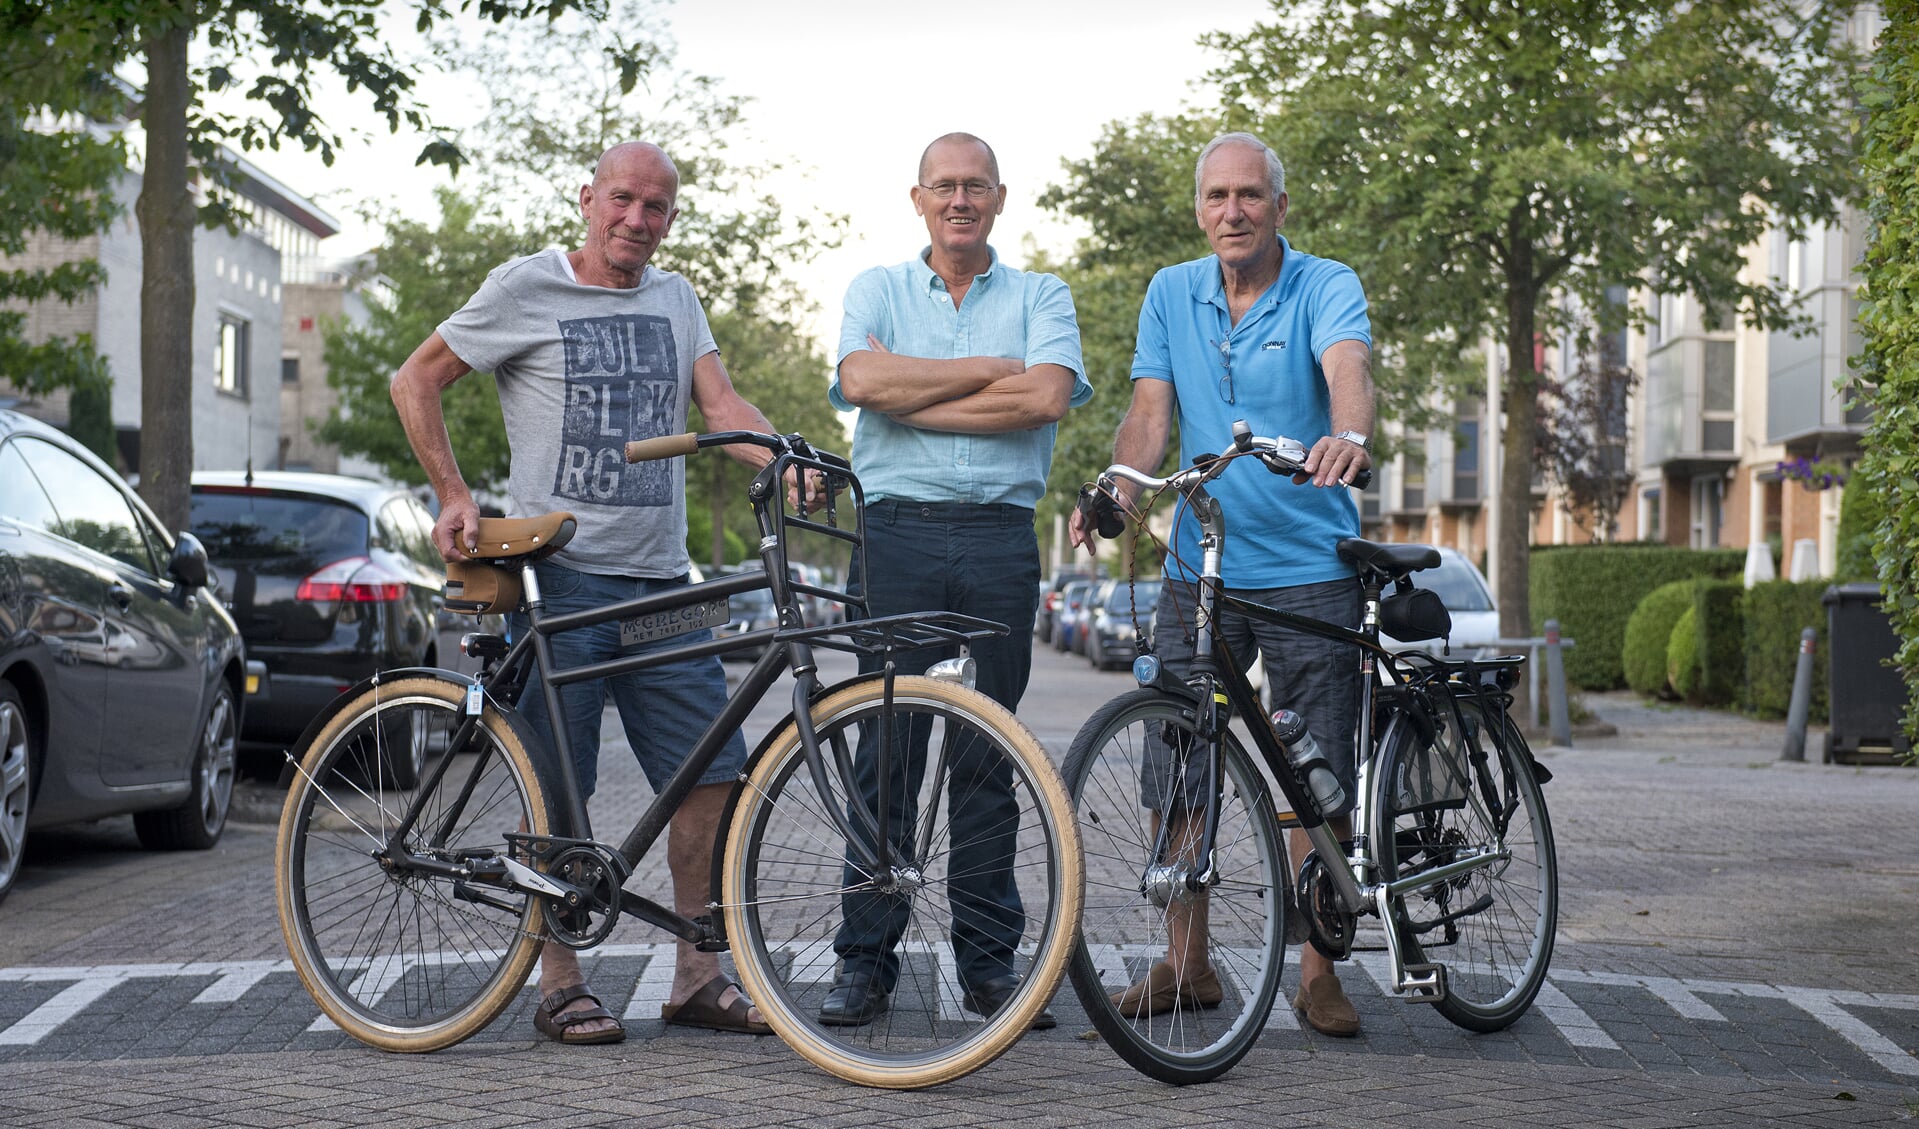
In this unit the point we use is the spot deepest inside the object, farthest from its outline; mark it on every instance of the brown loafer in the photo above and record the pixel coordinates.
(1160, 991)
(1326, 1008)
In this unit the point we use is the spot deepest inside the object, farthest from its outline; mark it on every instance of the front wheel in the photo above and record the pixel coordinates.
(408, 957)
(196, 825)
(1179, 980)
(1468, 792)
(985, 880)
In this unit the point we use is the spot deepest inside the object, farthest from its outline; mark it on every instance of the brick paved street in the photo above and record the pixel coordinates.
(1735, 949)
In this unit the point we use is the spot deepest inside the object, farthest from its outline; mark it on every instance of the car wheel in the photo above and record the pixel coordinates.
(406, 732)
(16, 784)
(196, 825)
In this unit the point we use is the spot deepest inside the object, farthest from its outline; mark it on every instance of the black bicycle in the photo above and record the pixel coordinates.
(414, 914)
(1186, 866)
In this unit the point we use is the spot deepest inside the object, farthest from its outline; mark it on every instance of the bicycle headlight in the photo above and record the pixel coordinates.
(1146, 669)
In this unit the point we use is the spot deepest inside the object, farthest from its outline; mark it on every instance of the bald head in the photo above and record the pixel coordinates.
(957, 140)
(632, 155)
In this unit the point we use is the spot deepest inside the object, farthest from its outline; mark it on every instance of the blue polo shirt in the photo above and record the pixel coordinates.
(1277, 534)
(1005, 313)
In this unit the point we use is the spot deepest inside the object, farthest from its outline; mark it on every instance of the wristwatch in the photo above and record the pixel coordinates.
(1355, 437)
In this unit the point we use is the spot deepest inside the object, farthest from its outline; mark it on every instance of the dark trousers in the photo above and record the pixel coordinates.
(982, 560)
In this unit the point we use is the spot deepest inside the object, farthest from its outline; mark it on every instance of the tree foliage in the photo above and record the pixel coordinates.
(1889, 469)
(57, 181)
(1480, 162)
(272, 53)
(427, 271)
(536, 146)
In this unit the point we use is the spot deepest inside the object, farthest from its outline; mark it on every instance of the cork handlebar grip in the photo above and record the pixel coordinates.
(664, 447)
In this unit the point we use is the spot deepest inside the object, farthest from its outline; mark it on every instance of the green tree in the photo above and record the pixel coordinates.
(271, 52)
(1486, 164)
(536, 146)
(1135, 194)
(1889, 469)
(58, 183)
(427, 271)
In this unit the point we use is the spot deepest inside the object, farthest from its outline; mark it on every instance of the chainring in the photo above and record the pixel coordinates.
(1331, 928)
(597, 874)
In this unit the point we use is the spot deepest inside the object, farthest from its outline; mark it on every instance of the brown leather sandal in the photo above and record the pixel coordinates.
(702, 1009)
(548, 1020)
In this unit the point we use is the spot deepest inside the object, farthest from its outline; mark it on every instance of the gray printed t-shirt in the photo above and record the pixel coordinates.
(582, 370)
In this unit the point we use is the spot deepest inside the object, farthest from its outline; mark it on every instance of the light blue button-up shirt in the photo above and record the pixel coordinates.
(1005, 313)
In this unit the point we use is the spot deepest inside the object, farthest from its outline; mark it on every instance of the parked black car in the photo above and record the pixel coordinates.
(1109, 630)
(1046, 619)
(121, 676)
(330, 578)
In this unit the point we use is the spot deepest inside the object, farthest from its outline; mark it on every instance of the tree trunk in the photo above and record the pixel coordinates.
(167, 215)
(1520, 399)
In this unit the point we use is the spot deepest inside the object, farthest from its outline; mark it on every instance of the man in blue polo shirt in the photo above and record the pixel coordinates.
(961, 368)
(1261, 332)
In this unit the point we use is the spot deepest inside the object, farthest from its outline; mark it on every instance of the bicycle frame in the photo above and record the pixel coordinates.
(787, 648)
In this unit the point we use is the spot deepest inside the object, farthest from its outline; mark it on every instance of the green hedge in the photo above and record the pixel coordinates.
(1682, 655)
(1649, 636)
(1776, 612)
(1592, 591)
(1721, 629)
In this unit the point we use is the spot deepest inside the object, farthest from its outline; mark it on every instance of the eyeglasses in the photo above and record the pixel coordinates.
(974, 189)
(1225, 358)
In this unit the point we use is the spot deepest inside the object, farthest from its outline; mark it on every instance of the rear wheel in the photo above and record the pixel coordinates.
(1215, 956)
(196, 825)
(1461, 795)
(788, 886)
(16, 783)
(408, 958)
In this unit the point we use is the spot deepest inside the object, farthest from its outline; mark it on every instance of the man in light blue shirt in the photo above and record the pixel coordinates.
(961, 368)
(1279, 338)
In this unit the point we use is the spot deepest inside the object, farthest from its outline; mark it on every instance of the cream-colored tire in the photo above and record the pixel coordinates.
(788, 888)
(407, 958)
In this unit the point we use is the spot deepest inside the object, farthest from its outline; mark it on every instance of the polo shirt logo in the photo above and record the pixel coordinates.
(1274, 345)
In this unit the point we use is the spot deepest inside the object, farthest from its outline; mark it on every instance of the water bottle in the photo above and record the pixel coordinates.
(1308, 761)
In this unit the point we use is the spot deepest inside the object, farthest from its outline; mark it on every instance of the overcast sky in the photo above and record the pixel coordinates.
(848, 92)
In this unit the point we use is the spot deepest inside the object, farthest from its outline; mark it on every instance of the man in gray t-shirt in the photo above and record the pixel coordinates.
(593, 348)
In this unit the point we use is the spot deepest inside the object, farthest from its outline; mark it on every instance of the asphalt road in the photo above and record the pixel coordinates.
(1735, 948)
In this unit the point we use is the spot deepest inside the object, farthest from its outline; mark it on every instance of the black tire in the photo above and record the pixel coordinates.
(1433, 809)
(454, 961)
(784, 874)
(197, 824)
(17, 750)
(1123, 932)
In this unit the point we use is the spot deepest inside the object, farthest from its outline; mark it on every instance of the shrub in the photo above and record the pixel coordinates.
(1592, 591)
(1721, 627)
(1649, 636)
(1776, 612)
(1860, 511)
(1682, 655)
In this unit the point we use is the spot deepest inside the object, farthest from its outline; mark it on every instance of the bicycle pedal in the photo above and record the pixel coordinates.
(1422, 983)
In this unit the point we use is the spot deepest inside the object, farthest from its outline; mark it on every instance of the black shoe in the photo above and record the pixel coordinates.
(854, 1001)
(988, 997)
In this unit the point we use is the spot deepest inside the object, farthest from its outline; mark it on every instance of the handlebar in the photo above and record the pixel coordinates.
(673, 446)
(1279, 455)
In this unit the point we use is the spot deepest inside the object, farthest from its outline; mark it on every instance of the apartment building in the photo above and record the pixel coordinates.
(239, 289)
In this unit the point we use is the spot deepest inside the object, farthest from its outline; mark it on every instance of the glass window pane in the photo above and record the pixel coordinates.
(21, 498)
(92, 511)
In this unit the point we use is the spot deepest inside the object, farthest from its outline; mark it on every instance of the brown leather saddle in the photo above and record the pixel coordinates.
(489, 581)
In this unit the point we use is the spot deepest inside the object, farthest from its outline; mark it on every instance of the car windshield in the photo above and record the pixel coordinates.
(277, 533)
(1457, 585)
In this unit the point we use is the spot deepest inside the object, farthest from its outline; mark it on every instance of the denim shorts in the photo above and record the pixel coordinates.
(664, 709)
(1314, 677)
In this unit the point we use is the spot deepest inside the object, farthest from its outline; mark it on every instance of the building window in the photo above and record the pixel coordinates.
(1412, 491)
(1466, 450)
(1652, 524)
(1717, 398)
(230, 356)
(290, 370)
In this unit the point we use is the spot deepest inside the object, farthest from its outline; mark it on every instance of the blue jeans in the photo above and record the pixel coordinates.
(982, 560)
(664, 708)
